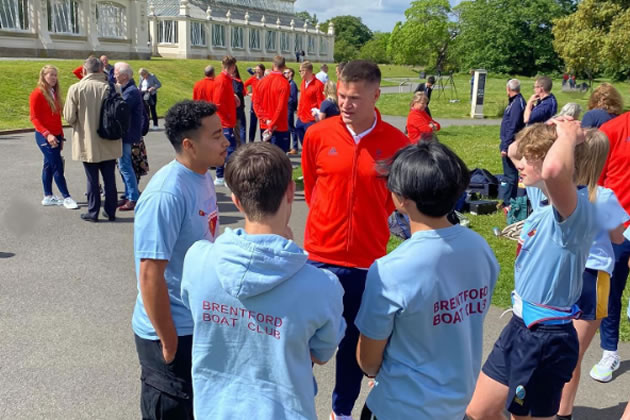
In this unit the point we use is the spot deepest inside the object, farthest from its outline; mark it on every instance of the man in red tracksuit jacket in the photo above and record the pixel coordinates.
(271, 104)
(226, 103)
(346, 228)
(204, 88)
(615, 176)
(311, 96)
(259, 72)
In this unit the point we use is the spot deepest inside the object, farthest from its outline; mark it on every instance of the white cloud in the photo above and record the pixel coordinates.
(378, 15)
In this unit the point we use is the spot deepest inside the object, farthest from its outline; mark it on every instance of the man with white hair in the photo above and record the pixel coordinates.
(511, 124)
(108, 69)
(131, 95)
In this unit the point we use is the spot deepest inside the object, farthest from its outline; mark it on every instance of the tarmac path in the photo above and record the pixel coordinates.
(67, 290)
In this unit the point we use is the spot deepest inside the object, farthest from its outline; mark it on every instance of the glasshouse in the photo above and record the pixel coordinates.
(246, 29)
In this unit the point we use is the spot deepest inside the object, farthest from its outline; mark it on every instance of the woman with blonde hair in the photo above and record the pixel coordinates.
(149, 85)
(329, 107)
(604, 104)
(419, 122)
(45, 110)
(593, 301)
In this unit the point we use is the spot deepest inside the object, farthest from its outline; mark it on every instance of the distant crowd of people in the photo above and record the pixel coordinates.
(230, 325)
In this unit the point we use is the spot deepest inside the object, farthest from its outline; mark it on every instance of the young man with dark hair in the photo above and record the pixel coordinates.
(272, 105)
(204, 88)
(440, 297)
(427, 88)
(262, 315)
(542, 105)
(177, 208)
(259, 73)
(226, 102)
(311, 97)
(346, 228)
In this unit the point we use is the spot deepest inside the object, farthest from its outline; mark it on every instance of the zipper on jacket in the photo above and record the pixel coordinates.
(352, 185)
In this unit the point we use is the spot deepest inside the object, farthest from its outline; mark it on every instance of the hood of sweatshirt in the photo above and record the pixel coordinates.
(249, 265)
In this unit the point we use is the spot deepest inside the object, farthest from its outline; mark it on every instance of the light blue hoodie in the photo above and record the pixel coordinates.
(259, 313)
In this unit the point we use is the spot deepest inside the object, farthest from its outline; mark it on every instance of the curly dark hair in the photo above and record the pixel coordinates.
(183, 119)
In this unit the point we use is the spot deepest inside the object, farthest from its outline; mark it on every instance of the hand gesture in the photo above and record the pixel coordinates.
(52, 140)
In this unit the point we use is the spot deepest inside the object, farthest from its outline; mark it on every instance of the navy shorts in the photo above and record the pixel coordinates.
(534, 364)
(593, 301)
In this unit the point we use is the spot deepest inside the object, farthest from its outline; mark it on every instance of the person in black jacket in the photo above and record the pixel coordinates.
(511, 124)
(293, 103)
(240, 131)
(427, 88)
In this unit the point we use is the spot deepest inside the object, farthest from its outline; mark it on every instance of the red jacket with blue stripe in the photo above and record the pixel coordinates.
(348, 202)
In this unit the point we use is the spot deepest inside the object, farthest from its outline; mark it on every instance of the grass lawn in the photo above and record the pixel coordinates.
(495, 97)
(478, 146)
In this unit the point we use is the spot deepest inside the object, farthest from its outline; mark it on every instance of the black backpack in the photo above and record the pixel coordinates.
(115, 116)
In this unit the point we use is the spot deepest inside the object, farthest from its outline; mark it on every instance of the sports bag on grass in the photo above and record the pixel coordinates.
(115, 115)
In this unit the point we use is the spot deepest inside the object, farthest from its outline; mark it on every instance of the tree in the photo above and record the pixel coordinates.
(344, 51)
(306, 16)
(376, 49)
(350, 29)
(594, 38)
(509, 36)
(424, 37)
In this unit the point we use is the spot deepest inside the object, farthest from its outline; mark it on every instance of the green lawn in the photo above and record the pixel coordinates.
(448, 104)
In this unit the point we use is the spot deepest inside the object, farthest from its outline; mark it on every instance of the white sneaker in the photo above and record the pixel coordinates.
(51, 200)
(219, 181)
(603, 370)
(70, 204)
(155, 127)
(334, 416)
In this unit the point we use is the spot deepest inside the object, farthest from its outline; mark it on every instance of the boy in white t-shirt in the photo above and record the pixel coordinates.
(422, 312)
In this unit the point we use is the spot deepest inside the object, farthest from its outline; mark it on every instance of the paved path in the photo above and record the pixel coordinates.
(67, 290)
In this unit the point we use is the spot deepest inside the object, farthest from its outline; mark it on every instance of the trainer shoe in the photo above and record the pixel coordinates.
(70, 204)
(603, 370)
(334, 416)
(292, 152)
(51, 200)
(219, 181)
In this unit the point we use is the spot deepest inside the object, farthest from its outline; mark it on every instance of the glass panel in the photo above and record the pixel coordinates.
(218, 35)
(298, 43)
(167, 32)
(198, 34)
(14, 14)
(285, 44)
(237, 37)
(254, 39)
(311, 44)
(270, 41)
(63, 16)
(323, 46)
(111, 21)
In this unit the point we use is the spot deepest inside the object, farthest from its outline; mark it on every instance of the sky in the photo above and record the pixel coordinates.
(378, 15)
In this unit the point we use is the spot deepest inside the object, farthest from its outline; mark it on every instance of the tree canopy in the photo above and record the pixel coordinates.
(350, 35)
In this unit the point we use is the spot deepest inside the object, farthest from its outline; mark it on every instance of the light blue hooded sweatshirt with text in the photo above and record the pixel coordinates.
(259, 313)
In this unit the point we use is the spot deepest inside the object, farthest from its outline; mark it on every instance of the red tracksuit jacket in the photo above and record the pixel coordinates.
(272, 102)
(223, 98)
(43, 118)
(616, 172)
(418, 124)
(348, 203)
(204, 90)
(310, 97)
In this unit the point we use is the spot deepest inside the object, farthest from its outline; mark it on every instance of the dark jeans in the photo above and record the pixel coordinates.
(281, 139)
(348, 375)
(509, 185)
(300, 130)
(107, 169)
(53, 165)
(253, 125)
(150, 107)
(229, 135)
(366, 414)
(292, 133)
(240, 131)
(166, 392)
(609, 329)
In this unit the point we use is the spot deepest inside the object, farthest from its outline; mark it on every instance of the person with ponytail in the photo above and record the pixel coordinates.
(45, 106)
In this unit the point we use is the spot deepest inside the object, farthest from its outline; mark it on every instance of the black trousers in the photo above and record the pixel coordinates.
(166, 392)
(366, 414)
(107, 169)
